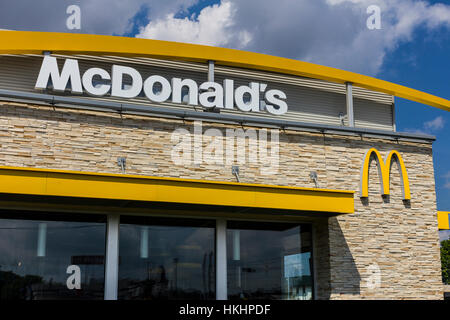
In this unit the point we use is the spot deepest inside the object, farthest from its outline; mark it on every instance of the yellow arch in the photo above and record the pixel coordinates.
(27, 42)
(384, 170)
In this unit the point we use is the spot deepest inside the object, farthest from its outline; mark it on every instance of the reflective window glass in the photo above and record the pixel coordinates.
(51, 256)
(166, 258)
(269, 260)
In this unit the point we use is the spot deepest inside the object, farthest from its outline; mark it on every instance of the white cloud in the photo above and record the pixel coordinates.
(429, 127)
(210, 27)
(97, 17)
(413, 130)
(444, 235)
(435, 124)
(328, 32)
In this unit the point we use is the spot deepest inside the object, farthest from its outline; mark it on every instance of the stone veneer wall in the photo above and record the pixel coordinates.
(400, 239)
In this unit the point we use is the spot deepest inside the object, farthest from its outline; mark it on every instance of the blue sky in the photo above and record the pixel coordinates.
(423, 64)
(412, 47)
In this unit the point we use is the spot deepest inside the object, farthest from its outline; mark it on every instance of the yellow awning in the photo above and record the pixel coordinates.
(443, 222)
(60, 183)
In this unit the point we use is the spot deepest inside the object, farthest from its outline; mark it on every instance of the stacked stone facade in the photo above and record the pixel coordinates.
(386, 235)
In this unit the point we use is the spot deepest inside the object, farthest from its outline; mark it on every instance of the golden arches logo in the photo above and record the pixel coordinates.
(384, 170)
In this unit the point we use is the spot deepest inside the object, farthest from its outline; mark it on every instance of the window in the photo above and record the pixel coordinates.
(51, 256)
(62, 256)
(163, 258)
(269, 260)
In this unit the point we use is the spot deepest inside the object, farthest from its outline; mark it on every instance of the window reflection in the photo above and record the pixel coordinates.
(166, 258)
(269, 260)
(51, 259)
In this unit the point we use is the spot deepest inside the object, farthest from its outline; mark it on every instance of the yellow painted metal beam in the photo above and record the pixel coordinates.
(443, 217)
(27, 42)
(47, 182)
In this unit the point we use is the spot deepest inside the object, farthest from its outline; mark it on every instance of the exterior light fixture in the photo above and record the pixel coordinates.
(342, 118)
(121, 162)
(313, 176)
(235, 171)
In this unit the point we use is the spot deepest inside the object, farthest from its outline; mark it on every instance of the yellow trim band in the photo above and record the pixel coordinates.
(27, 42)
(48, 182)
(443, 220)
(384, 170)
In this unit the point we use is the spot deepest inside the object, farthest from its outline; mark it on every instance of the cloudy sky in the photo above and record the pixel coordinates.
(411, 48)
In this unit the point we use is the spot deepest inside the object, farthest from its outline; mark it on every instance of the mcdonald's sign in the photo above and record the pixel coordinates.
(384, 170)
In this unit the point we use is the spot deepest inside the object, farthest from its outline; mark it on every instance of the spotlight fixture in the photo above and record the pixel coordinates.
(313, 176)
(121, 162)
(235, 171)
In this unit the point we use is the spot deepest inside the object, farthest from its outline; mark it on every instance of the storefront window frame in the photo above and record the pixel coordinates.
(313, 243)
(111, 264)
(50, 216)
(169, 221)
(220, 245)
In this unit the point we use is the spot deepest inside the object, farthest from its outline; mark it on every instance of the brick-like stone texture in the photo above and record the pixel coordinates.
(398, 239)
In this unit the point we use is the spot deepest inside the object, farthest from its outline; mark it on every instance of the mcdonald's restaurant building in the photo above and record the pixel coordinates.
(137, 169)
